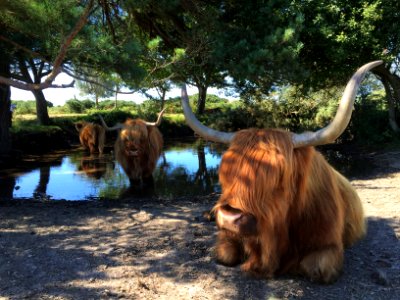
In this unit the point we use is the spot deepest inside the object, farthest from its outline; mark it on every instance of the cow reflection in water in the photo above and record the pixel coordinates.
(146, 189)
(96, 167)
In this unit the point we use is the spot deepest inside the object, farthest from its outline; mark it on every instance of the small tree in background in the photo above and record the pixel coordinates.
(97, 85)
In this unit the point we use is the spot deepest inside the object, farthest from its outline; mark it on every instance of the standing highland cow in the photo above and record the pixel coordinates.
(283, 208)
(138, 146)
(92, 136)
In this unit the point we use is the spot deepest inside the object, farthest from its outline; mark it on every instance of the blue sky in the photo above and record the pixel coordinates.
(58, 96)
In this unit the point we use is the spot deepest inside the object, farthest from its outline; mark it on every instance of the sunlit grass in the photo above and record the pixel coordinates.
(31, 126)
(18, 117)
(28, 122)
(62, 115)
(175, 118)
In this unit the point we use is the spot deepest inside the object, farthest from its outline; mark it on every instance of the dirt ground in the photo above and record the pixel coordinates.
(163, 249)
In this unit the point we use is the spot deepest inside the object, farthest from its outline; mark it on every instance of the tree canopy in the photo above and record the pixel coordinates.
(258, 45)
(340, 36)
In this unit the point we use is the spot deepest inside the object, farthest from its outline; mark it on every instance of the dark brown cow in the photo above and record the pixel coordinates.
(283, 208)
(92, 136)
(138, 146)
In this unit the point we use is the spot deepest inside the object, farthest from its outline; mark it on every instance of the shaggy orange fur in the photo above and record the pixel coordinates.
(92, 136)
(306, 211)
(138, 148)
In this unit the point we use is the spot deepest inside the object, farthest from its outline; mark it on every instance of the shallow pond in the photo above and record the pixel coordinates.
(186, 168)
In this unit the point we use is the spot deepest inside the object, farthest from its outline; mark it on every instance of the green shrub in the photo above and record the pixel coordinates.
(369, 123)
(293, 111)
(111, 117)
(149, 110)
(25, 107)
(78, 106)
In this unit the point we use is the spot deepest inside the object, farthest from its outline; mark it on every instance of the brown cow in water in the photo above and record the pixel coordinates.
(138, 146)
(283, 208)
(92, 136)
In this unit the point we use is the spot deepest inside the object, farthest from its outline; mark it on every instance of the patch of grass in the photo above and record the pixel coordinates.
(174, 118)
(30, 126)
(18, 117)
(67, 115)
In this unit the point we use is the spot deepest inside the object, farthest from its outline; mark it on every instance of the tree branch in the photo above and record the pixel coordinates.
(57, 64)
(24, 49)
(85, 78)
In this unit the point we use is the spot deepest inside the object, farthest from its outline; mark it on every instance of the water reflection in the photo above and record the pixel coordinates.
(183, 171)
(96, 167)
(7, 185)
(186, 168)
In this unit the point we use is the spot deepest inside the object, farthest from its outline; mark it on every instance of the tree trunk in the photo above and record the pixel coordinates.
(41, 108)
(201, 102)
(41, 104)
(391, 84)
(202, 171)
(164, 92)
(7, 186)
(391, 106)
(5, 113)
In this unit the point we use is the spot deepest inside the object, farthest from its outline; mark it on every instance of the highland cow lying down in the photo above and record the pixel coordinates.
(283, 208)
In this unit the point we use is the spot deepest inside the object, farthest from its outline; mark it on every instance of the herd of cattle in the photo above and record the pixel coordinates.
(283, 208)
(137, 148)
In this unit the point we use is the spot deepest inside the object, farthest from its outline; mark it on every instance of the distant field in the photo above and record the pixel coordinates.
(33, 116)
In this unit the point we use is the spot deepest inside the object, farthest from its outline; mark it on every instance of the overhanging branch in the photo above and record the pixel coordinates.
(57, 64)
(32, 86)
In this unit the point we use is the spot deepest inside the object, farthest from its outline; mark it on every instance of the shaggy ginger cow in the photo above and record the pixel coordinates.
(283, 208)
(92, 136)
(138, 146)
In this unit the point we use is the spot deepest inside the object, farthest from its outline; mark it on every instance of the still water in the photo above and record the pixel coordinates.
(186, 168)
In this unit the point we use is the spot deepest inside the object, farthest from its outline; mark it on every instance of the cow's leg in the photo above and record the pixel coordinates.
(134, 182)
(253, 264)
(259, 262)
(101, 142)
(148, 180)
(229, 249)
(92, 148)
(323, 265)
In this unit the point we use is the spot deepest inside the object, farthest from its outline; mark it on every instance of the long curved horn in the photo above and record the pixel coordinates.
(115, 127)
(158, 122)
(204, 131)
(331, 132)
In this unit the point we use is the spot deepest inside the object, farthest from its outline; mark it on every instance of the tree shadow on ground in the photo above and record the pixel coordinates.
(145, 248)
(153, 247)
